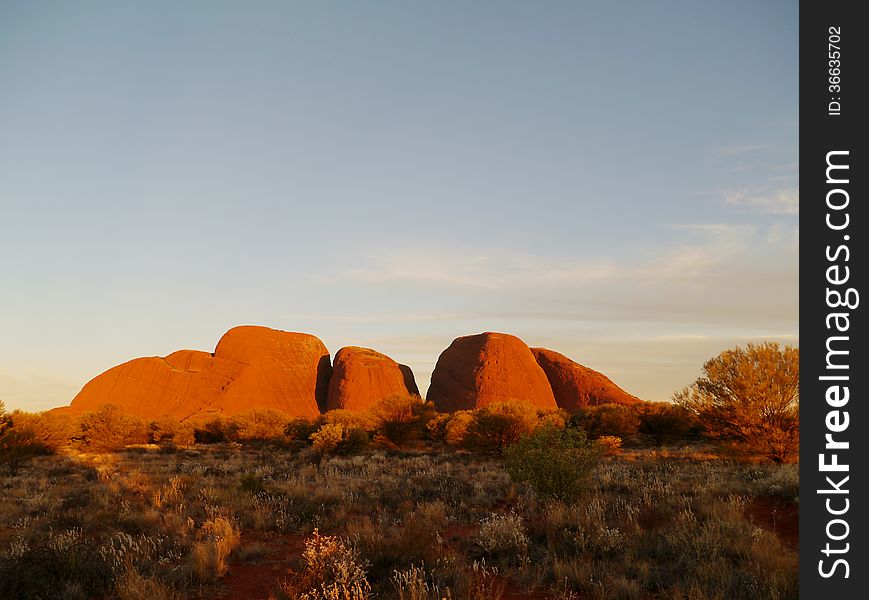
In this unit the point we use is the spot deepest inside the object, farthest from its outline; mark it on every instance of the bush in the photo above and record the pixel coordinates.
(396, 419)
(169, 431)
(607, 419)
(18, 443)
(496, 426)
(457, 427)
(51, 429)
(665, 422)
(259, 425)
(301, 429)
(210, 555)
(609, 444)
(110, 428)
(214, 431)
(333, 438)
(503, 536)
(352, 419)
(62, 565)
(17, 446)
(749, 398)
(555, 463)
(332, 570)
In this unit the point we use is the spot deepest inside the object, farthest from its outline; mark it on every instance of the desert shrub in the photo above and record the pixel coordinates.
(607, 419)
(397, 418)
(252, 483)
(609, 444)
(18, 444)
(63, 565)
(209, 557)
(503, 535)
(352, 419)
(456, 428)
(402, 419)
(500, 424)
(334, 438)
(169, 431)
(749, 399)
(131, 585)
(110, 428)
(51, 429)
(555, 463)
(557, 418)
(331, 570)
(260, 425)
(328, 437)
(301, 429)
(213, 431)
(665, 422)
(436, 426)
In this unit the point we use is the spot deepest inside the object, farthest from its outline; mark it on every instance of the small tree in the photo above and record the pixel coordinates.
(607, 419)
(260, 425)
(750, 398)
(500, 424)
(110, 428)
(397, 418)
(555, 463)
(169, 431)
(17, 444)
(665, 422)
(300, 428)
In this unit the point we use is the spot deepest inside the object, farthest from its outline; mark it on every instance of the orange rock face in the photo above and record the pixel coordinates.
(361, 377)
(251, 367)
(576, 386)
(478, 370)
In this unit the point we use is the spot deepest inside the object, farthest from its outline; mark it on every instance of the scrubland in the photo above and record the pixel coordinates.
(395, 502)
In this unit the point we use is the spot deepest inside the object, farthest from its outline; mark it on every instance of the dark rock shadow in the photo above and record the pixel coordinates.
(324, 374)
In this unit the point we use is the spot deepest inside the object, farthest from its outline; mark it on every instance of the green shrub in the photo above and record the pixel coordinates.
(555, 463)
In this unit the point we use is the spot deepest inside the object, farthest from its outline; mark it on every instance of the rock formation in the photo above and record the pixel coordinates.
(361, 377)
(478, 370)
(576, 386)
(252, 367)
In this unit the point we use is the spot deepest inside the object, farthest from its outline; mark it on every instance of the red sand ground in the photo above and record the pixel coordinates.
(779, 516)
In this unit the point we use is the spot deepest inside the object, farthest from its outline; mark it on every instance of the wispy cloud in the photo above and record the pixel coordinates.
(709, 271)
(780, 202)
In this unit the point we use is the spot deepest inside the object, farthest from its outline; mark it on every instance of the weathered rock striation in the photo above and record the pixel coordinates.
(576, 386)
(478, 370)
(361, 377)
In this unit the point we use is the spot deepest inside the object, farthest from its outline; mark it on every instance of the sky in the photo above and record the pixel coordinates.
(615, 180)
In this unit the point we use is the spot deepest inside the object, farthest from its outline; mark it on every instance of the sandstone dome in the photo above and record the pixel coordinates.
(252, 367)
(576, 386)
(478, 370)
(361, 377)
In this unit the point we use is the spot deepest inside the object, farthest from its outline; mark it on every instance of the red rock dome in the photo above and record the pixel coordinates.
(478, 370)
(576, 386)
(361, 377)
(252, 367)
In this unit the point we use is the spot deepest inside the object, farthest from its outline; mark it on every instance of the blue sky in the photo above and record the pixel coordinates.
(613, 180)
